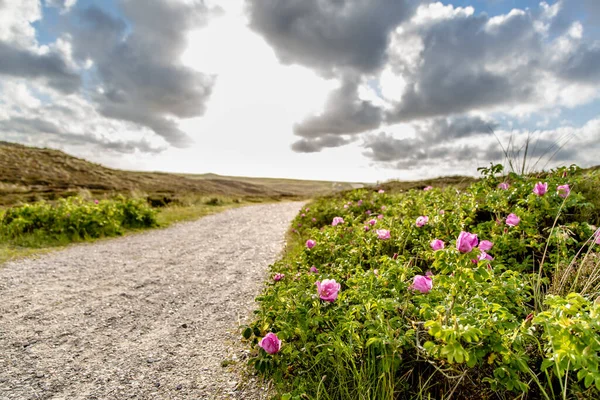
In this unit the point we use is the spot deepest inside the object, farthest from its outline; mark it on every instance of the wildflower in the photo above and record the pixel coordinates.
(307, 209)
(422, 220)
(427, 188)
(512, 220)
(314, 270)
(563, 191)
(382, 208)
(381, 191)
(310, 243)
(485, 245)
(437, 244)
(372, 222)
(383, 234)
(314, 219)
(359, 203)
(277, 277)
(422, 283)
(368, 212)
(328, 289)
(366, 227)
(345, 205)
(442, 212)
(270, 343)
(380, 216)
(503, 186)
(540, 188)
(466, 241)
(337, 220)
(96, 202)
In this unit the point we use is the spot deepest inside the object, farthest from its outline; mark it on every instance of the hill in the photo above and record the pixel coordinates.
(30, 173)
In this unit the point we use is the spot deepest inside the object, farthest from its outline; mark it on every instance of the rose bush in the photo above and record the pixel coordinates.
(408, 316)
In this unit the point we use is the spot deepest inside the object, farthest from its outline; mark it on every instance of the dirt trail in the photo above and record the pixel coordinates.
(148, 316)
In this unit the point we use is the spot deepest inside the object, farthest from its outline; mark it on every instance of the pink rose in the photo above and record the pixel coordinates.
(310, 243)
(597, 236)
(337, 220)
(381, 191)
(563, 191)
(503, 186)
(345, 205)
(484, 256)
(270, 343)
(307, 209)
(383, 234)
(277, 277)
(328, 290)
(303, 215)
(540, 188)
(421, 221)
(96, 202)
(380, 216)
(382, 208)
(485, 245)
(466, 241)
(314, 270)
(314, 219)
(437, 244)
(427, 188)
(422, 283)
(512, 220)
(372, 222)
(442, 212)
(359, 202)
(366, 228)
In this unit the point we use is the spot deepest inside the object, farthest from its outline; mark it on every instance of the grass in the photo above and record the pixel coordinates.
(167, 216)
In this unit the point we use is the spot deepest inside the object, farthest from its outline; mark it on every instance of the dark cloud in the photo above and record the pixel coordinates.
(467, 63)
(316, 145)
(136, 62)
(344, 114)
(329, 35)
(433, 141)
(38, 130)
(583, 66)
(49, 67)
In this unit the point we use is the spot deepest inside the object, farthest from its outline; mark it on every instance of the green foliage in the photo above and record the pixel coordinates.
(74, 219)
(473, 334)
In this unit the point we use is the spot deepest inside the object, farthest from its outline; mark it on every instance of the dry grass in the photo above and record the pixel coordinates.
(30, 174)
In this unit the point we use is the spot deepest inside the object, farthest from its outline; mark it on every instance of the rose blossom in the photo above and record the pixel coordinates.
(383, 234)
(380, 216)
(512, 220)
(563, 191)
(540, 188)
(314, 270)
(485, 245)
(437, 244)
(466, 241)
(422, 220)
(270, 343)
(359, 203)
(328, 289)
(337, 220)
(427, 188)
(310, 243)
(503, 186)
(372, 222)
(422, 283)
(277, 277)
(381, 191)
(366, 227)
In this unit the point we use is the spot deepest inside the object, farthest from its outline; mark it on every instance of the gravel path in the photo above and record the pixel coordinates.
(148, 316)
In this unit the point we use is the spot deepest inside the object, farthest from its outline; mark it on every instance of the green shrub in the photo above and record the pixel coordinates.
(74, 219)
(485, 330)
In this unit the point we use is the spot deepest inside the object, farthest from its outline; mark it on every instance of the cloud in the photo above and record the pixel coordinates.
(344, 114)
(63, 5)
(316, 145)
(138, 71)
(44, 131)
(49, 67)
(438, 138)
(329, 35)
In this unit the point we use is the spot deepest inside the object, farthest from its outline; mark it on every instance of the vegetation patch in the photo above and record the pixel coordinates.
(484, 293)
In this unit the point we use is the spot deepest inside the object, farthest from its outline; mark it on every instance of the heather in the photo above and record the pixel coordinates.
(488, 292)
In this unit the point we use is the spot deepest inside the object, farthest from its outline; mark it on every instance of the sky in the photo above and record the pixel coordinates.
(342, 90)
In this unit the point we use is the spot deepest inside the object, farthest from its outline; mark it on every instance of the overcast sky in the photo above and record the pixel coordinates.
(353, 90)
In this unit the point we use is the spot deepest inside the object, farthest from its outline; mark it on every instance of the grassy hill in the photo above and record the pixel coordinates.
(29, 173)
